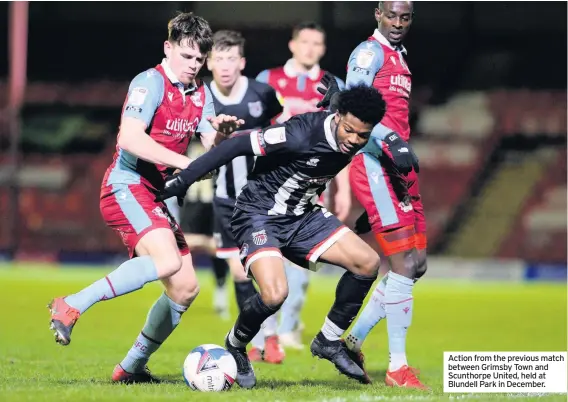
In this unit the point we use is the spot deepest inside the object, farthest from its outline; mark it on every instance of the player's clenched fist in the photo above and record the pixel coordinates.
(404, 157)
(174, 186)
(225, 124)
(330, 92)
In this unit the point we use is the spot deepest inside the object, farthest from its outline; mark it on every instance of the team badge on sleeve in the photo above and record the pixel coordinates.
(137, 96)
(364, 58)
(275, 135)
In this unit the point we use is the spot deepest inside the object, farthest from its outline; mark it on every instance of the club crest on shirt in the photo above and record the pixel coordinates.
(196, 99)
(255, 108)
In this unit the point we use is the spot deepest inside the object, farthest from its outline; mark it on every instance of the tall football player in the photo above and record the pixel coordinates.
(296, 84)
(391, 198)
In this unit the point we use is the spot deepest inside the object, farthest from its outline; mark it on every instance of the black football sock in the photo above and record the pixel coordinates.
(349, 296)
(244, 291)
(250, 319)
(220, 269)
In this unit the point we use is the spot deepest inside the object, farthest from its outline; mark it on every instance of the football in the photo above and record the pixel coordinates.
(209, 368)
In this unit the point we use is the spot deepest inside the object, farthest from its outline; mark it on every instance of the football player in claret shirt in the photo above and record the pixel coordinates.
(296, 84)
(164, 107)
(277, 216)
(256, 103)
(391, 198)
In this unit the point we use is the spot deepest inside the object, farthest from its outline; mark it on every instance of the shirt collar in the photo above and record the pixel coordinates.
(174, 80)
(232, 99)
(329, 135)
(290, 70)
(379, 37)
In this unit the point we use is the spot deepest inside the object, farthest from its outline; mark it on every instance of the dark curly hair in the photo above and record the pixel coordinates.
(363, 102)
(191, 28)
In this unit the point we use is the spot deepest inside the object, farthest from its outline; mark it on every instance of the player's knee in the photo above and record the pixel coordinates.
(274, 294)
(368, 263)
(169, 265)
(421, 264)
(184, 294)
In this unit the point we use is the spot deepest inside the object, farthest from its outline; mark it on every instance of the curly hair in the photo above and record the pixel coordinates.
(191, 28)
(363, 102)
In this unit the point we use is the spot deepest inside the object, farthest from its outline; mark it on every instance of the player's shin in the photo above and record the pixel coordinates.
(243, 291)
(398, 305)
(349, 296)
(371, 315)
(253, 314)
(128, 277)
(163, 318)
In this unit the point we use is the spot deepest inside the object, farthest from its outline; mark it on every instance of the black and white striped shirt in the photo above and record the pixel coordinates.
(296, 160)
(256, 103)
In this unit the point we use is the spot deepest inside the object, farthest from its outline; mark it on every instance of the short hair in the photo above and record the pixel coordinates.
(306, 25)
(225, 39)
(363, 102)
(381, 6)
(194, 29)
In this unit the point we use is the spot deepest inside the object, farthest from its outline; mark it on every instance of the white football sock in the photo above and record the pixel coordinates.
(373, 312)
(331, 331)
(398, 306)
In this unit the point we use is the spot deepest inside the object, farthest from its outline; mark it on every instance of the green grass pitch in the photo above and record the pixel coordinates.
(448, 316)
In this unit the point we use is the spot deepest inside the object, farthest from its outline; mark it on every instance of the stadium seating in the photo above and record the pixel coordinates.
(59, 199)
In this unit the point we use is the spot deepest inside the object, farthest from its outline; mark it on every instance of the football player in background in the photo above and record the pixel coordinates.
(256, 103)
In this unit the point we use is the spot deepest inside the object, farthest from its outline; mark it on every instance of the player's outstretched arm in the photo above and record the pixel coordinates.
(278, 138)
(209, 161)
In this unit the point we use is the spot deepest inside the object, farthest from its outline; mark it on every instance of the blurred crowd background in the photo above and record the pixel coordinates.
(488, 116)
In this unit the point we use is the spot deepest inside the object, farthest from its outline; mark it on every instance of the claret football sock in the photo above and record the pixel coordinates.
(349, 296)
(373, 312)
(398, 306)
(163, 318)
(131, 275)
